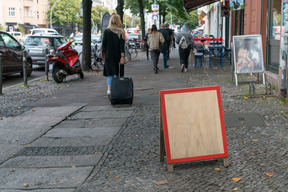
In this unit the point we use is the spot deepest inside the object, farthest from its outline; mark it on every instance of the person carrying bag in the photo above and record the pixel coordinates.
(154, 39)
(113, 45)
(186, 43)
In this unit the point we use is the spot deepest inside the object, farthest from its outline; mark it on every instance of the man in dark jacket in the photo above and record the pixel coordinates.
(170, 32)
(165, 50)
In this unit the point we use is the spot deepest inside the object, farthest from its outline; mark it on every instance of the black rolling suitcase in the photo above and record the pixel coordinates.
(121, 89)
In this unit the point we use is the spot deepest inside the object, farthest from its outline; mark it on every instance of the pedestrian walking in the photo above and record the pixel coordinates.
(170, 32)
(146, 44)
(186, 43)
(153, 42)
(113, 46)
(165, 48)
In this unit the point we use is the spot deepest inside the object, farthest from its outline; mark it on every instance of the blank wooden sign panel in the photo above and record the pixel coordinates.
(193, 124)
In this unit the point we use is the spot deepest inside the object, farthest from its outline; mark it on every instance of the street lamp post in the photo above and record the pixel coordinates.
(51, 13)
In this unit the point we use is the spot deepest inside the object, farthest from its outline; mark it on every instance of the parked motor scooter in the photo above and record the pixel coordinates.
(65, 62)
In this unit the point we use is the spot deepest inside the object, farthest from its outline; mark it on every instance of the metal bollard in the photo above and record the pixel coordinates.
(254, 89)
(266, 88)
(24, 70)
(1, 74)
(270, 87)
(46, 68)
(250, 89)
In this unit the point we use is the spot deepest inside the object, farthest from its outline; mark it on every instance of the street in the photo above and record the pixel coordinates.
(74, 140)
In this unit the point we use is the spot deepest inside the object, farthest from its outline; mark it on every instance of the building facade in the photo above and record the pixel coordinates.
(27, 14)
(269, 18)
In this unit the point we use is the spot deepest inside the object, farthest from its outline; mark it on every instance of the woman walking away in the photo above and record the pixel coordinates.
(153, 42)
(113, 45)
(186, 43)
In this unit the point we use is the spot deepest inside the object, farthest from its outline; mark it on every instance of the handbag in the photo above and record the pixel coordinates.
(192, 56)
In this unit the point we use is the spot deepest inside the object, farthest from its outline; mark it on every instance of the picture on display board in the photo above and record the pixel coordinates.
(248, 54)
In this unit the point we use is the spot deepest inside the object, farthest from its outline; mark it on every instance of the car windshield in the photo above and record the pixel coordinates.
(79, 36)
(44, 41)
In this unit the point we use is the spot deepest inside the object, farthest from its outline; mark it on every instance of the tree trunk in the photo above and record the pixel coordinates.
(164, 16)
(142, 18)
(119, 9)
(86, 52)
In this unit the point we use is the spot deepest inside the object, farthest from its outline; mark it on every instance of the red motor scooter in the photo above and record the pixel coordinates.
(65, 62)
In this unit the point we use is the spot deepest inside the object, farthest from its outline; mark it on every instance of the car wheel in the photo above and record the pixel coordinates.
(29, 69)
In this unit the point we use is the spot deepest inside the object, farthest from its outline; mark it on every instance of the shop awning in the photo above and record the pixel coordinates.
(29, 26)
(193, 4)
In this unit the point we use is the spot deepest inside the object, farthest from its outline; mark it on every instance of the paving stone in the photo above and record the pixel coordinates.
(7, 151)
(92, 123)
(41, 190)
(83, 132)
(52, 161)
(20, 137)
(45, 178)
(102, 114)
(61, 151)
(109, 108)
(71, 141)
(242, 119)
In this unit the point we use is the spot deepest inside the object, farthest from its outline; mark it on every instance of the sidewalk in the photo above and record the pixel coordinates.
(74, 140)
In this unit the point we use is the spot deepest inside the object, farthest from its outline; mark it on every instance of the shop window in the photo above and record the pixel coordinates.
(276, 20)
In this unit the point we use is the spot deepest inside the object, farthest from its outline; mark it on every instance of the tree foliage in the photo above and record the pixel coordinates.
(65, 11)
(96, 14)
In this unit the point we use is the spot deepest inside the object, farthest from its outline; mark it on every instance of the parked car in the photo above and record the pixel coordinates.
(78, 39)
(17, 35)
(134, 40)
(12, 55)
(42, 31)
(38, 46)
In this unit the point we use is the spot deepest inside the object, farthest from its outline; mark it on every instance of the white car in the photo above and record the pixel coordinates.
(16, 35)
(42, 31)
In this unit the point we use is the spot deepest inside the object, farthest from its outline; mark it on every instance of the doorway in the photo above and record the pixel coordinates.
(273, 36)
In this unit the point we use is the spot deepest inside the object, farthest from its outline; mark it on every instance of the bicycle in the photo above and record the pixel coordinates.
(132, 48)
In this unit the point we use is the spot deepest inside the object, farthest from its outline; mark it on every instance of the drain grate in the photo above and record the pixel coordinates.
(243, 119)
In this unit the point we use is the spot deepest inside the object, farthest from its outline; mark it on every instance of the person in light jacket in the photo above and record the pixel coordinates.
(153, 43)
(184, 53)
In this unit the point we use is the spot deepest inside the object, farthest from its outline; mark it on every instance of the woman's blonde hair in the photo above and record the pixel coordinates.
(115, 21)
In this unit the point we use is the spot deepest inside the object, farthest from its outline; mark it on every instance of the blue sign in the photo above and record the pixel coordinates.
(154, 17)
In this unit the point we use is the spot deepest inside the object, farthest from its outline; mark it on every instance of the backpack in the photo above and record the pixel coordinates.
(183, 44)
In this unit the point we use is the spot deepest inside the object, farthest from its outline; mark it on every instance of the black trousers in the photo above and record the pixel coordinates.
(184, 56)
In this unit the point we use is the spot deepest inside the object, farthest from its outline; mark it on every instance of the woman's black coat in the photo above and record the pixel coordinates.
(113, 47)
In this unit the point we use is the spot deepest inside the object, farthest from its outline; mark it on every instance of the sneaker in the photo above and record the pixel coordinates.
(109, 94)
(182, 68)
(156, 70)
(166, 67)
(186, 70)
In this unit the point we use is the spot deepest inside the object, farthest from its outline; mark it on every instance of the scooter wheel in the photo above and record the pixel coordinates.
(57, 75)
(81, 74)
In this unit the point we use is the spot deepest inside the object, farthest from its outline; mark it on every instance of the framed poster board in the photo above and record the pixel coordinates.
(193, 124)
(248, 55)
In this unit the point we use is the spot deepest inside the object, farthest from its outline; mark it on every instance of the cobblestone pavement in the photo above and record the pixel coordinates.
(256, 130)
(256, 150)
